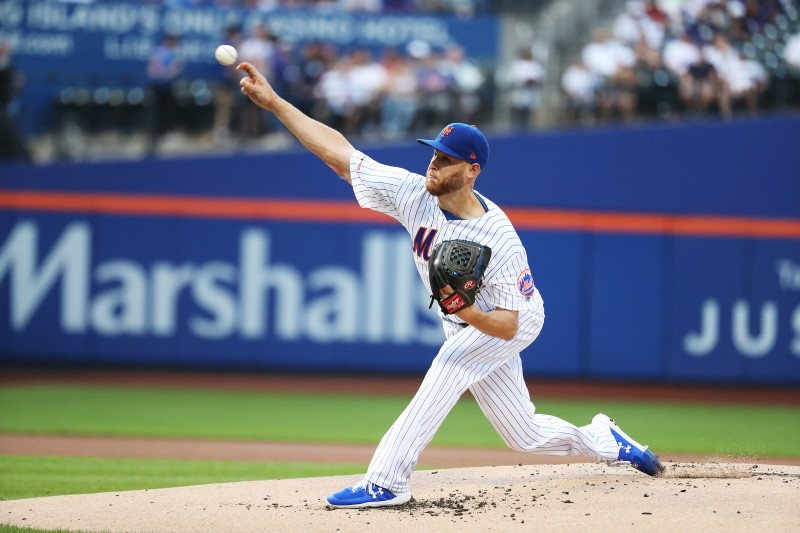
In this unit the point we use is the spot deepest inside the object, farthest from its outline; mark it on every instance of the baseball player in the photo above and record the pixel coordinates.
(483, 338)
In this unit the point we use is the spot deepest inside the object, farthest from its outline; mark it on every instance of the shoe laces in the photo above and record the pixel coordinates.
(360, 485)
(368, 487)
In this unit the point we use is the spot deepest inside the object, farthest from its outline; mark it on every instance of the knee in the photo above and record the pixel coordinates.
(515, 445)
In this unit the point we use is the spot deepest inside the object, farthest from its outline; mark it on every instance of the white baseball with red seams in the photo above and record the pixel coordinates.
(226, 54)
(469, 359)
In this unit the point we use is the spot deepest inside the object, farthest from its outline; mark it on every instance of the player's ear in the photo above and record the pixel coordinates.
(474, 170)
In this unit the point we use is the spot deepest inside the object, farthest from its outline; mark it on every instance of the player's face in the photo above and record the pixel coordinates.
(445, 174)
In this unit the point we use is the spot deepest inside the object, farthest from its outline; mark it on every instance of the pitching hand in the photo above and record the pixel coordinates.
(256, 86)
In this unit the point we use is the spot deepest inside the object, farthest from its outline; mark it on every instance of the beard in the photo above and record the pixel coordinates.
(446, 185)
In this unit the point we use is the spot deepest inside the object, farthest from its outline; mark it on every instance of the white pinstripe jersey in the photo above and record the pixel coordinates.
(508, 282)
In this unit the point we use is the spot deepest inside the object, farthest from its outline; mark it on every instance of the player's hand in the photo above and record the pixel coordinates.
(256, 86)
(446, 291)
(464, 313)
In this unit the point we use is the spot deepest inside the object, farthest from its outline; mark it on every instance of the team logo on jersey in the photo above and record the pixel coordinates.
(525, 283)
(422, 242)
(469, 284)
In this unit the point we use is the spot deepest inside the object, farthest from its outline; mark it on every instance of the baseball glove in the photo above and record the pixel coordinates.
(459, 264)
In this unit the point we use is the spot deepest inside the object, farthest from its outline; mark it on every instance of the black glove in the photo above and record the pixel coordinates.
(459, 264)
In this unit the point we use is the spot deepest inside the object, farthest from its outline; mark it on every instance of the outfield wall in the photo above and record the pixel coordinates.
(667, 254)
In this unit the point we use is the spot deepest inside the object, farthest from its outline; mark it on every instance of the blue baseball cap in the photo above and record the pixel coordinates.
(462, 141)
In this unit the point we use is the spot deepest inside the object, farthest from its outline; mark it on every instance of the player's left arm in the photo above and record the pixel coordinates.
(501, 285)
(500, 323)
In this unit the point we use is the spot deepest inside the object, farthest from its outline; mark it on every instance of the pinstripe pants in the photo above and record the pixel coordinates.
(491, 369)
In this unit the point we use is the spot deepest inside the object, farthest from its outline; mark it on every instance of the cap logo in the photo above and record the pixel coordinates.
(447, 131)
(473, 156)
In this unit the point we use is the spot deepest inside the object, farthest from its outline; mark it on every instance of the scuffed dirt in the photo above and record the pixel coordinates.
(589, 497)
(696, 494)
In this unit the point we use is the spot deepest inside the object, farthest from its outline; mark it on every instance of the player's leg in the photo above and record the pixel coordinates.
(462, 360)
(503, 397)
(466, 357)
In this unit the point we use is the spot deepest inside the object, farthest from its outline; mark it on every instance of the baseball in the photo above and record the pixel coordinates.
(226, 54)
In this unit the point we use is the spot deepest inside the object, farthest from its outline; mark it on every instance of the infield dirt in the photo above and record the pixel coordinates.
(701, 495)
(567, 497)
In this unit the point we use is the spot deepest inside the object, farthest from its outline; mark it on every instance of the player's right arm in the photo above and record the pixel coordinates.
(322, 141)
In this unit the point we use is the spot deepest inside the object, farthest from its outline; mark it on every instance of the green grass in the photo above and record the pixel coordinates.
(195, 414)
(25, 476)
(215, 414)
(92, 410)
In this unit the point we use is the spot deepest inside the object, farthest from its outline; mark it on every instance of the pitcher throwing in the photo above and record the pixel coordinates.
(492, 313)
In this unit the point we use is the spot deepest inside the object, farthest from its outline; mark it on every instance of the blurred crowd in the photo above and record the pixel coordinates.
(656, 59)
(695, 57)
(414, 89)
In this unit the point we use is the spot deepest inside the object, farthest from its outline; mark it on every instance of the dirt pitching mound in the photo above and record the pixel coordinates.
(588, 497)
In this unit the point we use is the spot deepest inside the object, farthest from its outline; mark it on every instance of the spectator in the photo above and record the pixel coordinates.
(791, 54)
(437, 90)
(523, 79)
(714, 18)
(11, 145)
(399, 92)
(332, 94)
(634, 23)
(738, 28)
(655, 13)
(258, 49)
(579, 85)
(701, 85)
(737, 78)
(657, 91)
(613, 64)
(626, 25)
(692, 9)
(678, 54)
(365, 79)
(759, 13)
(755, 82)
(302, 76)
(163, 69)
(647, 58)
(226, 92)
(467, 83)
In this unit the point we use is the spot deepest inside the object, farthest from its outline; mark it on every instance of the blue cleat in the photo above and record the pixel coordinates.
(367, 494)
(630, 451)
